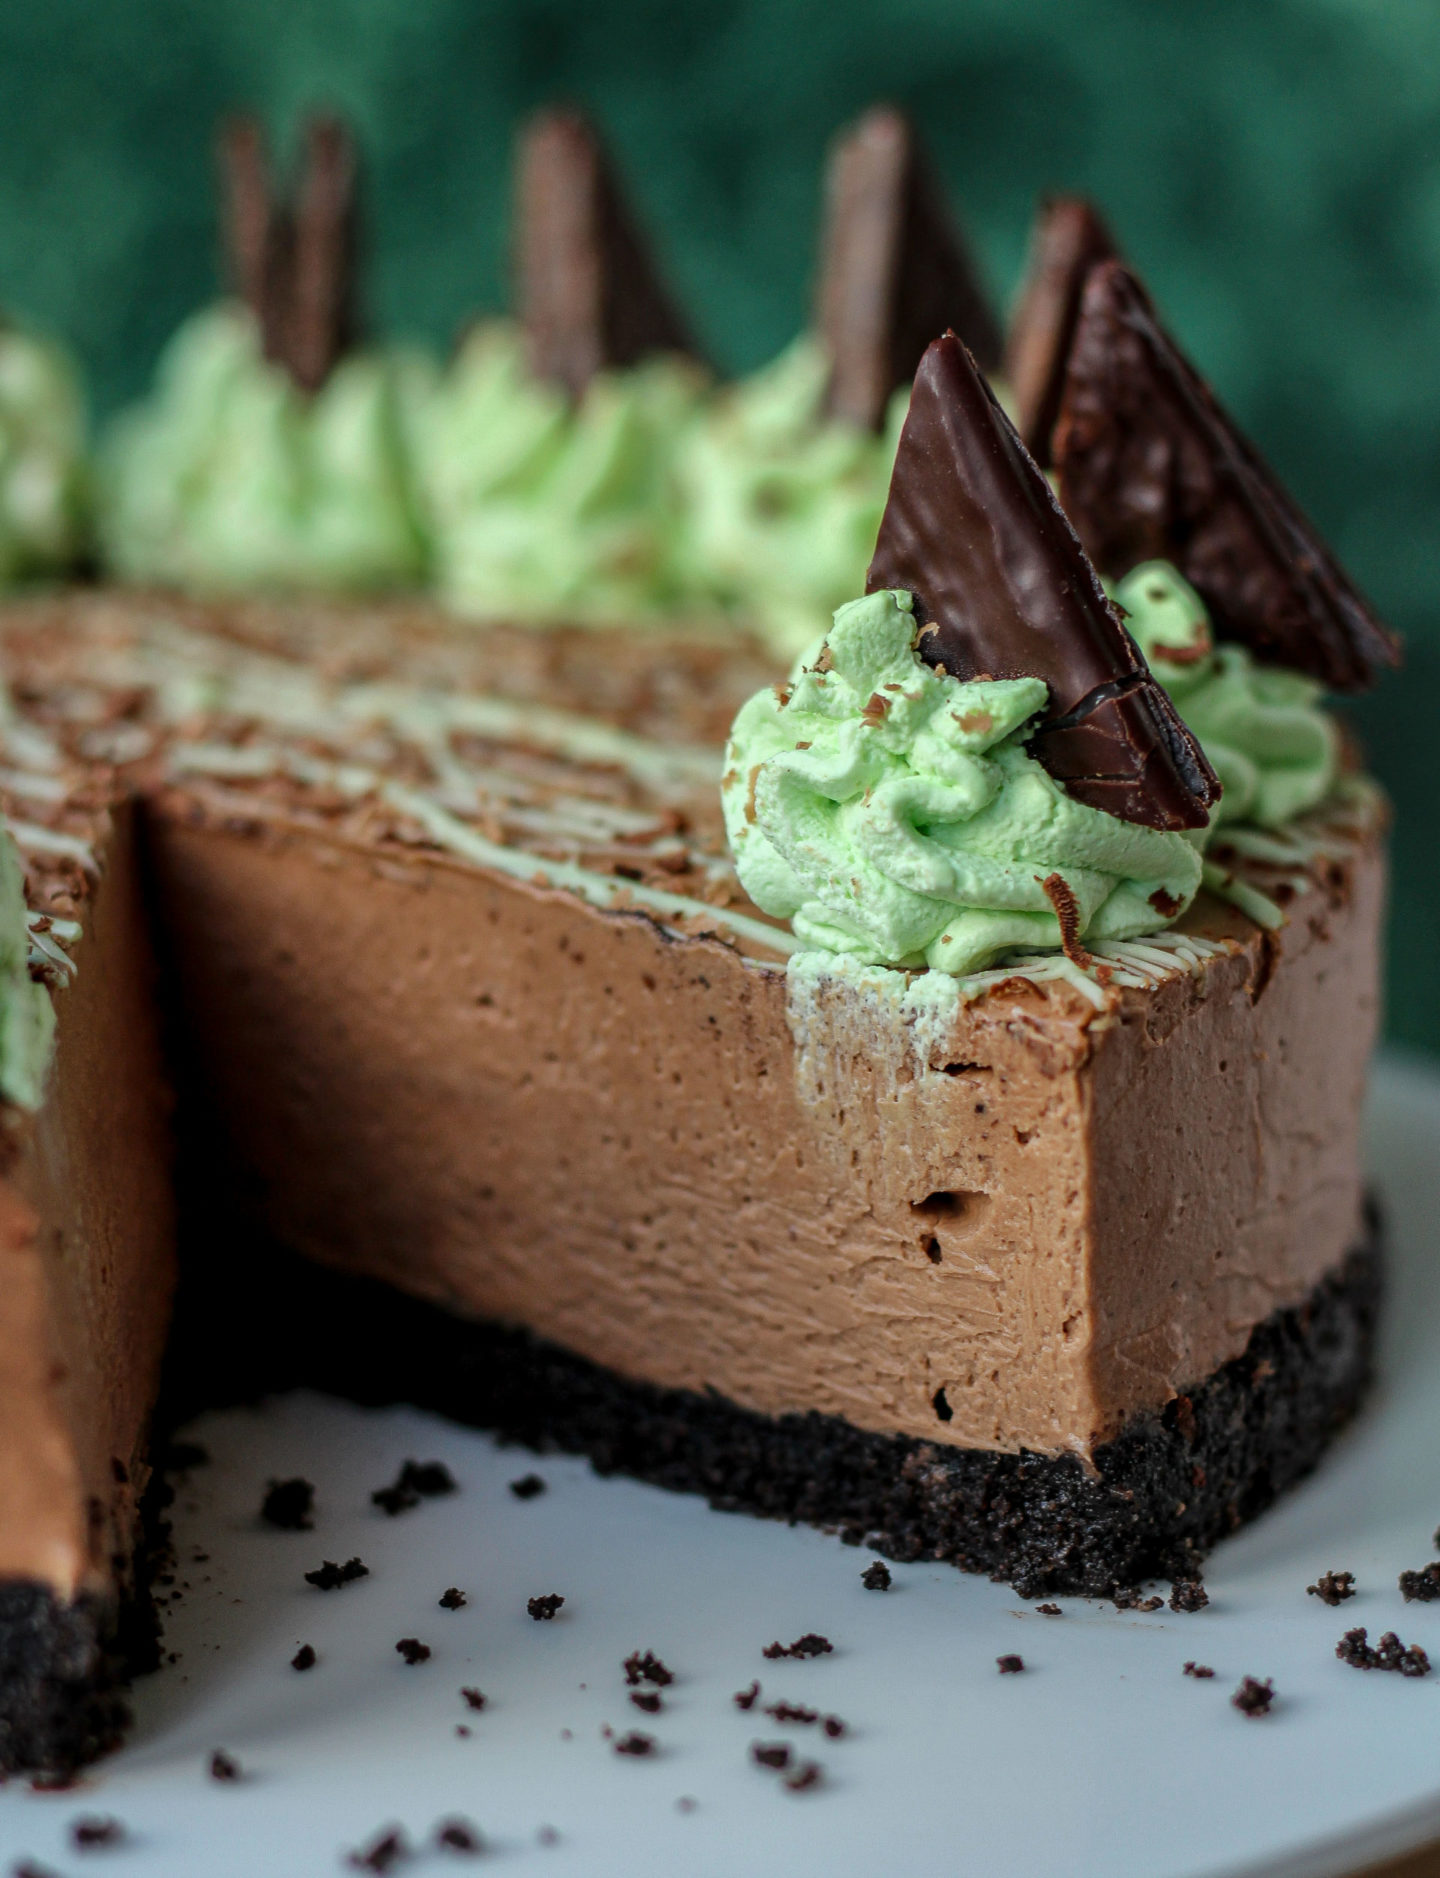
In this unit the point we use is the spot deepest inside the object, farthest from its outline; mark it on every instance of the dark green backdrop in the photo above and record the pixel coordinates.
(1272, 165)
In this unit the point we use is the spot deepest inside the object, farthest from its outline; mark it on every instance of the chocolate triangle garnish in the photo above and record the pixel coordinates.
(1151, 468)
(589, 295)
(293, 264)
(894, 270)
(1067, 240)
(1003, 590)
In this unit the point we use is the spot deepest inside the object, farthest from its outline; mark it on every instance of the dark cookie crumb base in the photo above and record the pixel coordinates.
(1163, 1491)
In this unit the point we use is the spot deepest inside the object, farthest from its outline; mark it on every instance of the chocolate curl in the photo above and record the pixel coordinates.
(1068, 239)
(1151, 468)
(894, 270)
(1003, 590)
(321, 311)
(589, 294)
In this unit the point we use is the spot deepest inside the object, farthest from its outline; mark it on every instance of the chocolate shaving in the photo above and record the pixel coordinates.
(1067, 911)
(1067, 240)
(894, 270)
(1003, 588)
(589, 295)
(1151, 468)
(293, 262)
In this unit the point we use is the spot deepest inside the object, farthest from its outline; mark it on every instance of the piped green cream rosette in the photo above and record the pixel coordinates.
(781, 502)
(542, 511)
(891, 813)
(44, 479)
(230, 478)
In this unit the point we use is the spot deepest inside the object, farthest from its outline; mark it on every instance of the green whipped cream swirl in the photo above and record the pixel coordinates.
(781, 502)
(27, 1017)
(1276, 752)
(44, 483)
(891, 814)
(542, 511)
(230, 478)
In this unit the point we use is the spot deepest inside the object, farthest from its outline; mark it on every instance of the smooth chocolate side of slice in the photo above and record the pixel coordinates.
(589, 296)
(1068, 239)
(1004, 588)
(894, 270)
(1151, 467)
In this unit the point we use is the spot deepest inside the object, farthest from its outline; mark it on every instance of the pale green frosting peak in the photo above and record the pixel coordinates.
(1275, 750)
(43, 481)
(230, 477)
(27, 1017)
(542, 510)
(891, 813)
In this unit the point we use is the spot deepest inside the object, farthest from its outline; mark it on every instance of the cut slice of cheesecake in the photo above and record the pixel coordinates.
(86, 1240)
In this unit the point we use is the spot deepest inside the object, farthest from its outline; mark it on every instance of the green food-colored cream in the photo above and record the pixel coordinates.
(27, 1017)
(231, 478)
(44, 484)
(891, 813)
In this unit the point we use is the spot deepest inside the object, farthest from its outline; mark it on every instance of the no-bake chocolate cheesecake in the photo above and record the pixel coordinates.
(963, 1156)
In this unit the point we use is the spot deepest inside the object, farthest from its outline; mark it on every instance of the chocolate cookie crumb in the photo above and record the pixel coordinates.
(289, 1505)
(792, 1712)
(806, 1774)
(834, 1727)
(224, 1766)
(646, 1699)
(1200, 1670)
(808, 1645)
(635, 1743)
(542, 1609)
(416, 1481)
(1423, 1585)
(27, 1868)
(1389, 1653)
(547, 1835)
(462, 1731)
(473, 1698)
(453, 1600)
(1010, 1665)
(747, 1698)
(773, 1754)
(304, 1657)
(1131, 1600)
(331, 1576)
(93, 1830)
(645, 1666)
(1188, 1594)
(387, 1849)
(1049, 1610)
(686, 1803)
(413, 1650)
(458, 1835)
(876, 1577)
(1333, 1587)
(1253, 1697)
(527, 1487)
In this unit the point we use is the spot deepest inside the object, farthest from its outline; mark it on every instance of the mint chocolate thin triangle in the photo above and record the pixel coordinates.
(1152, 468)
(1003, 590)
(894, 270)
(588, 292)
(293, 261)
(1068, 239)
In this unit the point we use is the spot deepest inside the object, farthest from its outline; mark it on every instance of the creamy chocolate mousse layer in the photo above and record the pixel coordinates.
(86, 1240)
(1019, 1231)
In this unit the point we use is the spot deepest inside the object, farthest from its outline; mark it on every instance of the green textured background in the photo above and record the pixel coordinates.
(1272, 165)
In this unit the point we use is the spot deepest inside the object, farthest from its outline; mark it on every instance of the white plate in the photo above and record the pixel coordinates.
(1101, 1758)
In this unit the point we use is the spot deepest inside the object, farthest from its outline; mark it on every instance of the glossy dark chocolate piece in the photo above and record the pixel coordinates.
(589, 296)
(1068, 239)
(1004, 590)
(1151, 468)
(293, 262)
(894, 270)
